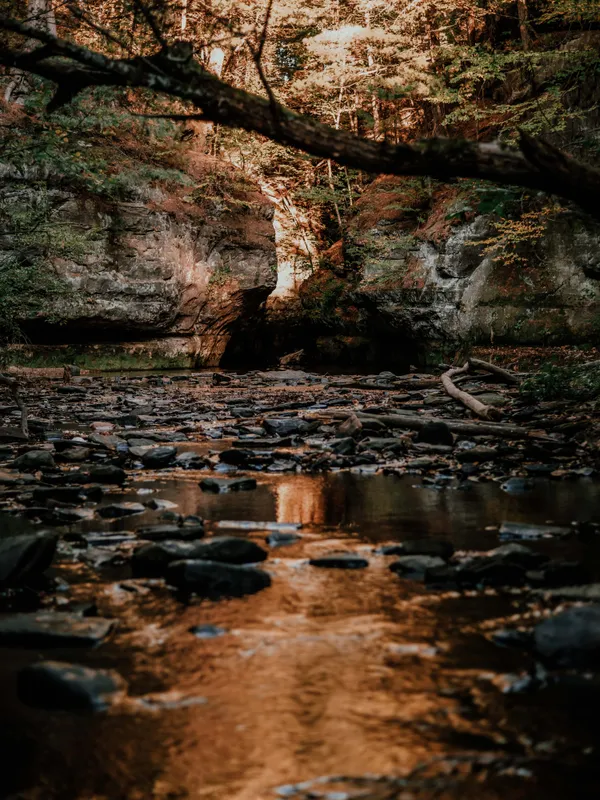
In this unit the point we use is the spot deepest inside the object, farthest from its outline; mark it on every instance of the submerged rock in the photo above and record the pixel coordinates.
(339, 561)
(415, 567)
(34, 460)
(160, 533)
(435, 433)
(420, 547)
(218, 485)
(152, 560)
(68, 687)
(158, 457)
(53, 629)
(571, 638)
(214, 580)
(116, 510)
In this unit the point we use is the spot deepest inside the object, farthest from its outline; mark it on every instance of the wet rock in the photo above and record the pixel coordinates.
(420, 547)
(152, 560)
(107, 473)
(279, 539)
(214, 580)
(53, 629)
(344, 447)
(351, 426)
(511, 637)
(156, 504)
(286, 427)
(236, 458)
(435, 433)
(219, 378)
(159, 533)
(520, 531)
(190, 460)
(68, 687)
(116, 510)
(560, 573)
(492, 571)
(477, 454)
(34, 460)
(516, 486)
(207, 631)
(519, 554)
(73, 455)
(24, 558)
(339, 561)
(66, 494)
(219, 485)
(571, 638)
(416, 567)
(158, 457)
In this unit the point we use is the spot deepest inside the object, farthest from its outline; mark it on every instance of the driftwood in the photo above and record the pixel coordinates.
(13, 385)
(472, 403)
(507, 377)
(415, 422)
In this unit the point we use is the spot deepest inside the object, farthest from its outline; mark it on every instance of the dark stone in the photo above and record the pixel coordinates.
(158, 457)
(52, 629)
(207, 631)
(61, 494)
(219, 485)
(23, 558)
(236, 458)
(435, 433)
(519, 554)
(415, 567)
(153, 559)
(571, 638)
(492, 571)
(115, 510)
(279, 539)
(339, 561)
(219, 378)
(107, 473)
(67, 687)
(344, 447)
(516, 485)
(69, 389)
(286, 426)
(73, 455)
(190, 460)
(507, 637)
(160, 533)
(213, 580)
(34, 460)
(477, 454)
(420, 547)
(560, 573)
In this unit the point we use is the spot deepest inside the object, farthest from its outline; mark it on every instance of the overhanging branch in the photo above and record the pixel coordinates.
(534, 165)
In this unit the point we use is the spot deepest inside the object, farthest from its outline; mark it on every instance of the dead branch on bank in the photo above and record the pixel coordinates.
(507, 377)
(472, 403)
(13, 385)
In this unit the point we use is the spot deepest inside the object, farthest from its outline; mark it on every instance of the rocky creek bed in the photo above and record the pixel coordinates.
(292, 585)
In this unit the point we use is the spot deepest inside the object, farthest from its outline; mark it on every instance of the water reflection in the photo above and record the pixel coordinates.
(326, 672)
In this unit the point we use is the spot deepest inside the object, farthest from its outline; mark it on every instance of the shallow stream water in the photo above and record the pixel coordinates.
(358, 675)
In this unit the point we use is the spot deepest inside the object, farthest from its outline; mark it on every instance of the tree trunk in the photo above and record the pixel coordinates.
(523, 27)
(40, 14)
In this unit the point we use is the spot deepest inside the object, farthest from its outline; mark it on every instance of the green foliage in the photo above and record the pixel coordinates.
(31, 239)
(553, 382)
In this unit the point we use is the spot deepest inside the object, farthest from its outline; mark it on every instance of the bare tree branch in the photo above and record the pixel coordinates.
(172, 71)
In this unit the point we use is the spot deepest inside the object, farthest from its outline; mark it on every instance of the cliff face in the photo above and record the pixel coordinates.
(150, 273)
(168, 256)
(420, 269)
(456, 276)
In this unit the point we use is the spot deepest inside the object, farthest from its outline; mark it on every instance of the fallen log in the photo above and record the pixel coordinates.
(13, 386)
(507, 377)
(415, 422)
(472, 403)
